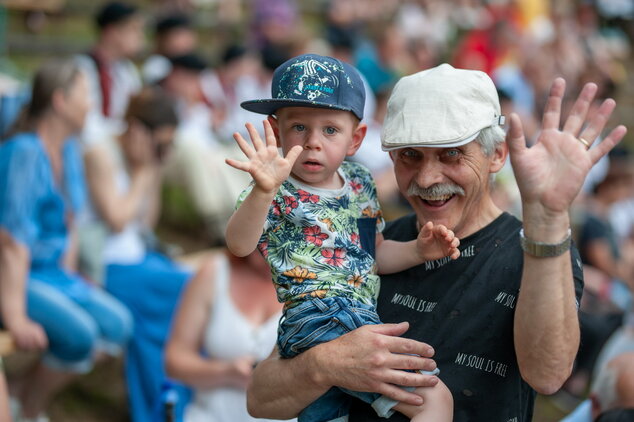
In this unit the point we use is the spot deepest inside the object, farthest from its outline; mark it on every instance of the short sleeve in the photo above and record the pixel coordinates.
(577, 273)
(362, 182)
(18, 182)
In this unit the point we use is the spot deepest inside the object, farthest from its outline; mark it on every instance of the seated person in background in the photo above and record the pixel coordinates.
(318, 223)
(612, 389)
(112, 75)
(174, 35)
(124, 179)
(45, 305)
(229, 312)
(197, 162)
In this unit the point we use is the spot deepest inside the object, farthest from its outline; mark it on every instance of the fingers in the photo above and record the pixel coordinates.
(598, 122)
(393, 379)
(552, 111)
(271, 141)
(607, 143)
(255, 137)
(390, 329)
(577, 116)
(239, 165)
(515, 135)
(244, 145)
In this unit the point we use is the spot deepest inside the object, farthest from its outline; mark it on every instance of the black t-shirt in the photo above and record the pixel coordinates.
(464, 309)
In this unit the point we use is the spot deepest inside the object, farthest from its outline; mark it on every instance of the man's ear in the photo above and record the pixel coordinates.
(498, 158)
(357, 138)
(276, 129)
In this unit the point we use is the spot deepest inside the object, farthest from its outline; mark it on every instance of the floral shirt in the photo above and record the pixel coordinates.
(320, 242)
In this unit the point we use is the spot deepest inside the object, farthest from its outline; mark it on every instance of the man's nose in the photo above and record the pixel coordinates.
(429, 173)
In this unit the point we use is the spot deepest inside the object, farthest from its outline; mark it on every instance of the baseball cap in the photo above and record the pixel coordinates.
(311, 80)
(441, 107)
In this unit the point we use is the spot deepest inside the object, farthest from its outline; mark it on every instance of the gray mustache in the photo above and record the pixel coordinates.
(439, 189)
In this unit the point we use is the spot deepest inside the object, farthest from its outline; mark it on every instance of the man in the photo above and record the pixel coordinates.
(112, 76)
(502, 319)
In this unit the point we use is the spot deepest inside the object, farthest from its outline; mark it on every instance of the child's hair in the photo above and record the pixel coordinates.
(52, 76)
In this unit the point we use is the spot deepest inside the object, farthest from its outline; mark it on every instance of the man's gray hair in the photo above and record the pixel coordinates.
(489, 138)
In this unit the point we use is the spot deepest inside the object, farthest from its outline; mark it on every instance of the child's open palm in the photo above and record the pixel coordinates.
(267, 167)
(437, 241)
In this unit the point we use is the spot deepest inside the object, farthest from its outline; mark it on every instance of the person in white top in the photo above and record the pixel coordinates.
(124, 180)
(230, 312)
(113, 77)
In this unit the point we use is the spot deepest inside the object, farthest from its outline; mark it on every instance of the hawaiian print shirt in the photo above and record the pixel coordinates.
(320, 242)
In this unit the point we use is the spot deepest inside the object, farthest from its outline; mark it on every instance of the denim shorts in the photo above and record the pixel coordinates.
(317, 321)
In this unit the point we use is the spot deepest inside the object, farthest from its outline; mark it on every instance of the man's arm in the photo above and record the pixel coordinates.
(362, 360)
(549, 176)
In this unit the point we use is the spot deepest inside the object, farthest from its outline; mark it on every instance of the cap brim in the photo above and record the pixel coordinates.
(270, 106)
(442, 144)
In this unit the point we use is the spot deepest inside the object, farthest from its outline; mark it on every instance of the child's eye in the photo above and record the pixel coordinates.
(299, 128)
(330, 130)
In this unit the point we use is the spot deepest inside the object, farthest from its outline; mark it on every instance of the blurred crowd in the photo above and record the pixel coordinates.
(93, 145)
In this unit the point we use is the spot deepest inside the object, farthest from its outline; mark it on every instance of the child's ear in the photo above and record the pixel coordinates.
(357, 138)
(276, 129)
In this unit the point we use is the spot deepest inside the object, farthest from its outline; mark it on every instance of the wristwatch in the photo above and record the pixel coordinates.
(545, 250)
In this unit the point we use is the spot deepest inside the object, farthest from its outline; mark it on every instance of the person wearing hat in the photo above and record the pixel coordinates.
(502, 319)
(317, 222)
(112, 76)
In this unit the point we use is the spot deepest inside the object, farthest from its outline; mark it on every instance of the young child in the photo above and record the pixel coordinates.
(317, 221)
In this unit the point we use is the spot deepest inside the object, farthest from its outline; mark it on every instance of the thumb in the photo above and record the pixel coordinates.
(426, 229)
(515, 136)
(394, 330)
(293, 154)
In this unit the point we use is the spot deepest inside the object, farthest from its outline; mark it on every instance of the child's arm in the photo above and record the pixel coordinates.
(268, 170)
(433, 242)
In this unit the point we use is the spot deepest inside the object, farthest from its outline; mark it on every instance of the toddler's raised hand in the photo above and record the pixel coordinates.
(437, 241)
(267, 167)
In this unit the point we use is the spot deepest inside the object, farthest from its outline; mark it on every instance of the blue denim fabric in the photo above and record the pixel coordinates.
(317, 321)
(77, 328)
(151, 290)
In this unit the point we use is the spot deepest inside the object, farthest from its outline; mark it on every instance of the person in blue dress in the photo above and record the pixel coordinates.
(44, 303)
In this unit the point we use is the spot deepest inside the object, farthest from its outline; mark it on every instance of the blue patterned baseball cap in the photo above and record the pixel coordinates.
(311, 80)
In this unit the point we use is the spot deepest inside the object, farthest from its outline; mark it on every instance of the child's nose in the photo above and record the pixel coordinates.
(312, 141)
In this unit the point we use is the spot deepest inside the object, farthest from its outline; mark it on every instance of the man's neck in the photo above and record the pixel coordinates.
(106, 54)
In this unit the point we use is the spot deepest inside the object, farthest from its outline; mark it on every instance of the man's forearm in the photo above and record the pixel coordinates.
(546, 325)
(281, 388)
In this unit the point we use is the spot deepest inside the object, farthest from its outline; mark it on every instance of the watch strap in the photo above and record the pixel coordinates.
(545, 250)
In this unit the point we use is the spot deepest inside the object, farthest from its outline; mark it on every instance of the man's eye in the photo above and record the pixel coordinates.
(330, 130)
(408, 153)
(452, 153)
